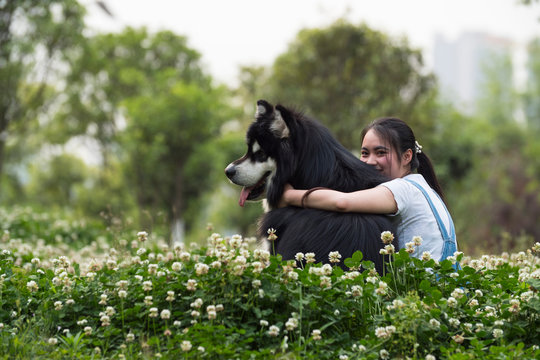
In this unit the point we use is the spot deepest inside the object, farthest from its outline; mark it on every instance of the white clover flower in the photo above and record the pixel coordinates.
(177, 323)
(479, 293)
(458, 293)
(452, 302)
(110, 311)
(152, 268)
(409, 247)
(105, 320)
(82, 322)
(122, 284)
(32, 286)
(390, 249)
(273, 331)
(426, 256)
(184, 256)
(165, 314)
(356, 290)
(197, 303)
(58, 305)
(417, 240)
(52, 341)
(235, 241)
(142, 236)
(87, 330)
(299, 256)
(147, 285)
(334, 257)
(291, 324)
(371, 279)
(435, 323)
(211, 315)
(384, 354)
(153, 312)
(316, 334)
(497, 333)
(343, 357)
(526, 296)
(256, 283)
(326, 282)
(148, 300)
(176, 266)
(430, 357)
(170, 296)
(326, 269)
(310, 257)
(272, 234)
(454, 322)
(387, 237)
(195, 313)
(263, 323)
(382, 289)
(381, 333)
(201, 349)
(185, 345)
(130, 337)
(292, 275)
(122, 294)
(219, 307)
(191, 285)
(201, 269)
(458, 338)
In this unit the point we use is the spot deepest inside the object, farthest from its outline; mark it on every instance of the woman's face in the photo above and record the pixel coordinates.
(385, 159)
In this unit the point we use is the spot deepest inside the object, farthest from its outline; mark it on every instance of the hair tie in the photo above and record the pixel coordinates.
(304, 197)
(417, 147)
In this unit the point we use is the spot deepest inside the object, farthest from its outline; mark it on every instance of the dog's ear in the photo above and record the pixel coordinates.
(264, 108)
(266, 112)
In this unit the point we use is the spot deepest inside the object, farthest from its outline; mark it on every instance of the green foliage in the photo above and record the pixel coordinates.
(145, 299)
(35, 38)
(347, 75)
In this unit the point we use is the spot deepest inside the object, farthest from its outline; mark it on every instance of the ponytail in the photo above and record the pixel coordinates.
(425, 168)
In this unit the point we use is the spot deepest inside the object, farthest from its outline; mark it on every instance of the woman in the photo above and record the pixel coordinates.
(413, 197)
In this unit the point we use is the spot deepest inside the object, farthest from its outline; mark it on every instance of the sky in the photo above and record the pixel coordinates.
(232, 33)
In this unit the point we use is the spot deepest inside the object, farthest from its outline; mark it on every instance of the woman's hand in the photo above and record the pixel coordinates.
(284, 197)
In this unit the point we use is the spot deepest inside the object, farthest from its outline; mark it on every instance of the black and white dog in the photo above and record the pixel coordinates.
(285, 146)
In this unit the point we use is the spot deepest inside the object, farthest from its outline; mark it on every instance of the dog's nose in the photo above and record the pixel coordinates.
(230, 170)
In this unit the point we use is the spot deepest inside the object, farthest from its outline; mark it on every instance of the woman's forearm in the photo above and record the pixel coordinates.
(378, 200)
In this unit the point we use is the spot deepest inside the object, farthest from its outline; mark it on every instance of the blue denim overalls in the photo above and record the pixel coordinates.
(450, 243)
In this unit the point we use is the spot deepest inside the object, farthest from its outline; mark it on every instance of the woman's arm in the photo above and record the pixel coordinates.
(378, 200)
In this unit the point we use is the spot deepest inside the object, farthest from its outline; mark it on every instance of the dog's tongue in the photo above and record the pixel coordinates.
(244, 194)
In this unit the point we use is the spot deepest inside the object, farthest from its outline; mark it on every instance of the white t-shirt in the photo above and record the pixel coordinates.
(414, 216)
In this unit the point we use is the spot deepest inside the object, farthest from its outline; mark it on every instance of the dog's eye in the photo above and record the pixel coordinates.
(259, 155)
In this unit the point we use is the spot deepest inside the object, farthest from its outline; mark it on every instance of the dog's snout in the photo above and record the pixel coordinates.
(230, 171)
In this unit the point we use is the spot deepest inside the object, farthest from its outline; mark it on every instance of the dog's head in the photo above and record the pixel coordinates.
(267, 145)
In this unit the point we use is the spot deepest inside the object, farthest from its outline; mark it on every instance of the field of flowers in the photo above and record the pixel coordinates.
(136, 297)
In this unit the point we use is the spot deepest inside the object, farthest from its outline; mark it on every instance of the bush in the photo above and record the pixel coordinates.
(231, 300)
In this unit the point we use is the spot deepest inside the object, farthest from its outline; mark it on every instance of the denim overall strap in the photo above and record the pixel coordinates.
(449, 246)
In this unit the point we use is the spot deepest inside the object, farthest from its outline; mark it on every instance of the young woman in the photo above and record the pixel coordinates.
(413, 197)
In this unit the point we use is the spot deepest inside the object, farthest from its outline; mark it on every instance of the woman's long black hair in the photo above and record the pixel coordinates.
(400, 137)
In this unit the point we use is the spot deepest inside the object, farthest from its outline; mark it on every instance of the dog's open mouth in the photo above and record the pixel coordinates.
(253, 192)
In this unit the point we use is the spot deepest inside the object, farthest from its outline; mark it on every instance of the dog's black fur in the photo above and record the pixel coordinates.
(306, 155)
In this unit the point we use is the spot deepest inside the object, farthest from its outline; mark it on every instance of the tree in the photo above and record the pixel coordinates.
(347, 75)
(165, 131)
(35, 37)
(144, 98)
